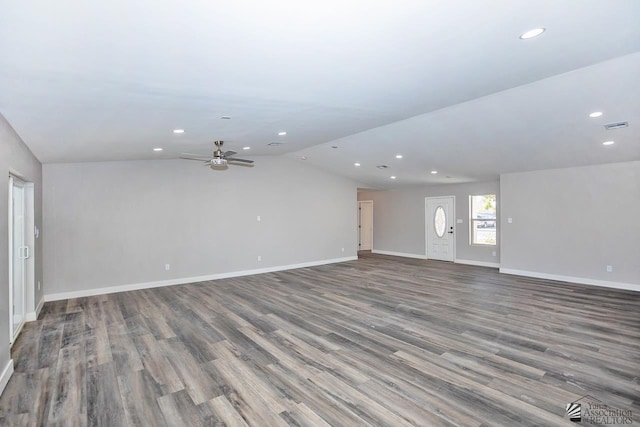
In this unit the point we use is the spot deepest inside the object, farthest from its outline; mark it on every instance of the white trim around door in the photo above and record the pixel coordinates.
(365, 225)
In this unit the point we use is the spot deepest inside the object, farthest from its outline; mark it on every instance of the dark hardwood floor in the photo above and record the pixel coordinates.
(381, 341)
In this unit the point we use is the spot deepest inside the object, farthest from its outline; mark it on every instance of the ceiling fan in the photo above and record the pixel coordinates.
(218, 160)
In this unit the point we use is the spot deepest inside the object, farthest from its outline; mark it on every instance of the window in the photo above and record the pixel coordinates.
(483, 219)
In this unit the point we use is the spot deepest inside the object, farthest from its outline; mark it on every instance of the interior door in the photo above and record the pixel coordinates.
(440, 228)
(365, 225)
(18, 254)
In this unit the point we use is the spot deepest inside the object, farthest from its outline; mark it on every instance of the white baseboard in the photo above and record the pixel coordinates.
(34, 315)
(6, 375)
(571, 279)
(478, 263)
(402, 254)
(184, 280)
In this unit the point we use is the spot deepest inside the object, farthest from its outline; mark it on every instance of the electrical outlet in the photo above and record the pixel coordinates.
(510, 220)
(493, 253)
(342, 249)
(259, 218)
(609, 268)
(259, 258)
(38, 284)
(167, 267)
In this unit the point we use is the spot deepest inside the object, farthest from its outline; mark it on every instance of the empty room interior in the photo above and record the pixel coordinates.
(328, 213)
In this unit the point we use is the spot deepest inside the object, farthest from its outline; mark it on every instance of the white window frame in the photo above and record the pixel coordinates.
(473, 221)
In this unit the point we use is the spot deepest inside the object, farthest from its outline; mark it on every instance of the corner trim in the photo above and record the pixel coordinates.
(402, 254)
(34, 314)
(6, 375)
(478, 263)
(185, 280)
(571, 279)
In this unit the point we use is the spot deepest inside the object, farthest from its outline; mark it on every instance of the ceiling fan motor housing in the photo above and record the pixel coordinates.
(217, 161)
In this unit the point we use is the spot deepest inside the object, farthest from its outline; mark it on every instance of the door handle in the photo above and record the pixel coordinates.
(25, 252)
(450, 232)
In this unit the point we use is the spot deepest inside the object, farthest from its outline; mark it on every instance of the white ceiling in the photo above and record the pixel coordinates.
(447, 84)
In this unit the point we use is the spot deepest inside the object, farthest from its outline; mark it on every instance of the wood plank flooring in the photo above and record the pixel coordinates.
(381, 341)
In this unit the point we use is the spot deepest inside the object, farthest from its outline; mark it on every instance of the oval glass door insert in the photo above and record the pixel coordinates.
(440, 221)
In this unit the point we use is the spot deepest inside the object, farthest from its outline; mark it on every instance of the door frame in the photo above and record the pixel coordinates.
(427, 225)
(29, 263)
(359, 225)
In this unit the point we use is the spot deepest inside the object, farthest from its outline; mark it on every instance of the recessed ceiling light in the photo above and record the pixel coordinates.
(225, 118)
(434, 172)
(608, 143)
(334, 146)
(178, 131)
(393, 177)
(356, 164)
(532, 33)
(595, 114)
(398, 156)
(282, 133)
(246, 148)
(157, 149)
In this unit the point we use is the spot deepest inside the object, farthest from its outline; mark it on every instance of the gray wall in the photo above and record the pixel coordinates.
(573, 222)
(119, 223)
(399, 219)
(17, 158)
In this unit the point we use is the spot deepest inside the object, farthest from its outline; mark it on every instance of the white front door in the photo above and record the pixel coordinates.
(439, 227)
(365, 225)
(18, 254)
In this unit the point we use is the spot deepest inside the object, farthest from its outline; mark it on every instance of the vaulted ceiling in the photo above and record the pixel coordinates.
(450, 86)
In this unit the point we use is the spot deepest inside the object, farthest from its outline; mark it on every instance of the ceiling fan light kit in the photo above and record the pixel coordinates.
(218, 160)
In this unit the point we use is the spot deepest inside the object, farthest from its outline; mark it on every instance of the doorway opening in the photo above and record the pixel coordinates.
(21, 244)
(365, 225)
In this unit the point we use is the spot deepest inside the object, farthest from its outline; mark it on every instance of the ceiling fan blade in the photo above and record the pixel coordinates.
(242, 165)
(229, 153)
(195, 155)
(239, 160)
(200, 159)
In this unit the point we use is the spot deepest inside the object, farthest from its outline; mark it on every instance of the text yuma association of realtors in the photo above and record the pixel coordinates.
(597, 413)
